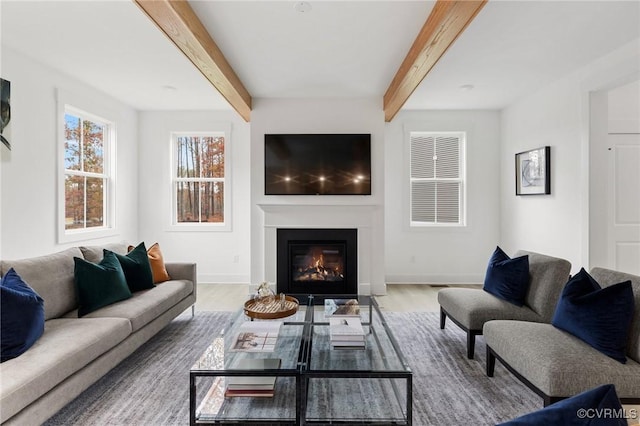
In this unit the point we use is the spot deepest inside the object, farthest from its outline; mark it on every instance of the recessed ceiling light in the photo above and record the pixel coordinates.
(302, 6)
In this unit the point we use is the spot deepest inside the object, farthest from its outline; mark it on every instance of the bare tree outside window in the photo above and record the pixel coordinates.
(199, 179)
(85, 178)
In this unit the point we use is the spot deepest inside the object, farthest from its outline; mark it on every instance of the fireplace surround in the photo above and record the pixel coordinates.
(317, 261)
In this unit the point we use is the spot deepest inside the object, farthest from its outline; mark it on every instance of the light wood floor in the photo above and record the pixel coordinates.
(399, 297)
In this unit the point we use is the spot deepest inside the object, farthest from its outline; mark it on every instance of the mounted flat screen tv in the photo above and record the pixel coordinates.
(317, 164)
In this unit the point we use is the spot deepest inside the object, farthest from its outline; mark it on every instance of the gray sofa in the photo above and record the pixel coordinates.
(557, 365)
(73, 352)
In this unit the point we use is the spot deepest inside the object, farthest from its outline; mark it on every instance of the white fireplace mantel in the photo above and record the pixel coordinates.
(367, 219)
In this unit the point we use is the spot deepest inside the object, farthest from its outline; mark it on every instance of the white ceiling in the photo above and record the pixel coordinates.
(337, 49)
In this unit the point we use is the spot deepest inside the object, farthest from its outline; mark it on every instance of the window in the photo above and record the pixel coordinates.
(437, 179)
(88, 141)
(200, 182)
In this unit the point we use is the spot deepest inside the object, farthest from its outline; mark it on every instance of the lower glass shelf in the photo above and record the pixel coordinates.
(215, 407)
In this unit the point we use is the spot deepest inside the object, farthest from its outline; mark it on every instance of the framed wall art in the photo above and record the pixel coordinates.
(533, 172)
(5, 112)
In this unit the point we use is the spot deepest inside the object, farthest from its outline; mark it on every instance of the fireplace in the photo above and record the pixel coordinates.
(317, 261)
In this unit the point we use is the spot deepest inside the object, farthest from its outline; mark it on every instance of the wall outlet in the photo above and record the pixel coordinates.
(236, 259)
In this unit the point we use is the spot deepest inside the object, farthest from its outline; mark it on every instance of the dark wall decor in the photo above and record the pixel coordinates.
(5, 112)
(533, 172)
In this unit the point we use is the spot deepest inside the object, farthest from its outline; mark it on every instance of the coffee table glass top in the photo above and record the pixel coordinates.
(380, 352)
(315, 382)
(219, 363)
(220, 356)
(375, 385)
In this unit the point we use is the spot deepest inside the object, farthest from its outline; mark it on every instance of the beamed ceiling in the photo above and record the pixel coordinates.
(179, 22)
(219, 55)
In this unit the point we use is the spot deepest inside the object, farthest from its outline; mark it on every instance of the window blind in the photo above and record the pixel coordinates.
(436, 178)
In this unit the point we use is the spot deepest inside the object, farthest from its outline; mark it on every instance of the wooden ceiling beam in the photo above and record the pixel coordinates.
(179, 22)
(447, 20)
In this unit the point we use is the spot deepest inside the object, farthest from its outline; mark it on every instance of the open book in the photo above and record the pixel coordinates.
(256, 336)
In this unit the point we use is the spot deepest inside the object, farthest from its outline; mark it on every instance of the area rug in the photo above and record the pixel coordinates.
(151, 387)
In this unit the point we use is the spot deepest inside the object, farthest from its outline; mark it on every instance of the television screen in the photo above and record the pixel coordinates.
(318, 164)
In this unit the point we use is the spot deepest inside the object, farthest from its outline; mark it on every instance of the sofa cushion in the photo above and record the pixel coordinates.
(22, 312)
(599, 316)
(557, 362)
(51, 276)
(144, 306)
(95, 254)
(473, 307)
(136, 267)
(156, 260)
(506, 278)
(67, 345)
(577, 409)
(99, 285)
(607, 277)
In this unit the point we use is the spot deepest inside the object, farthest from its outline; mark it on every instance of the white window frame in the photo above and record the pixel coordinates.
(80, 107)
(225, 226)
(462, 202)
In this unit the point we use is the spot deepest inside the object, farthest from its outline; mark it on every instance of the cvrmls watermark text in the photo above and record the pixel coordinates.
(606, 413)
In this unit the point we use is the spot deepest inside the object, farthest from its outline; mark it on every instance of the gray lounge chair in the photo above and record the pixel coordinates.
(471, 308)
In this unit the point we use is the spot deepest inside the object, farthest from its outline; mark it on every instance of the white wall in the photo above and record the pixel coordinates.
(548, 224)
(222, 256)
(29, 171)
(624, 106)
(558, 115)
(319, 116)
(443, 255)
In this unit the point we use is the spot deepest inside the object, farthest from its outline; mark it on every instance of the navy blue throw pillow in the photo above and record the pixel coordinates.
(22, 316)
(579, 410)
(506, 278)
(600, 317)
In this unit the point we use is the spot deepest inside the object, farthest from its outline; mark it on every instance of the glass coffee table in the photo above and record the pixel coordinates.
(315, 383)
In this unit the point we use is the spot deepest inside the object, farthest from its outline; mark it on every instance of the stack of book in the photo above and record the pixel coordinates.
(253, 385)
(346, 332)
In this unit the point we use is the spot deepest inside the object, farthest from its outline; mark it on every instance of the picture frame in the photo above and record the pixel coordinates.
(533, 172)
(5, 112)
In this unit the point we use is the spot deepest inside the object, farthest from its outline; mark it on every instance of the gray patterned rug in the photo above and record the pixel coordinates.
(151, 387)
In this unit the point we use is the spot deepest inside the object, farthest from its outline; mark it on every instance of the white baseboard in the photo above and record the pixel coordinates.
(364, 288)
(223, 279)
(436, 279)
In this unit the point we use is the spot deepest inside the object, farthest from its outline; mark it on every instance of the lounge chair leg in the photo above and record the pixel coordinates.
(443, 318)
(548, 400)
(491, 362)
(471, 344)
(193, 310)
